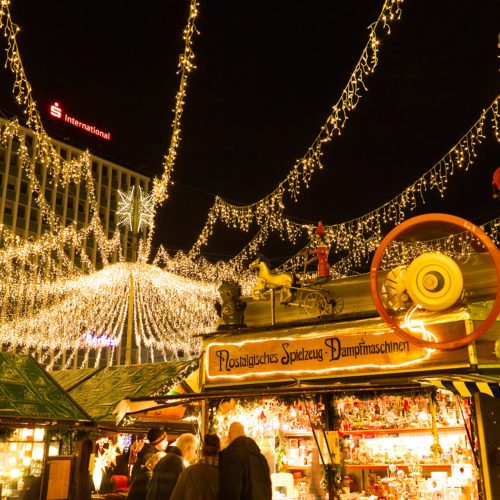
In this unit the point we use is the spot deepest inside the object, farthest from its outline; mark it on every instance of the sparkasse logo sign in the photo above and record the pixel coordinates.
(57, 112)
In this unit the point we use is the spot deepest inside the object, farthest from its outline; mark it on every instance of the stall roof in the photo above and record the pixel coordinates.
(69, 379)
(100, 392)
(467, 385)
(28, 392)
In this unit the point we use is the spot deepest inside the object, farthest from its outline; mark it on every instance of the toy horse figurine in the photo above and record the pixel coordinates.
(267, 280)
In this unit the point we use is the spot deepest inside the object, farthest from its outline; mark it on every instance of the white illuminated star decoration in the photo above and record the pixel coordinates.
(135, 208)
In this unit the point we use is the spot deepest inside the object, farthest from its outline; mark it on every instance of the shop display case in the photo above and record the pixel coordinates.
(21, 459)
(298, 459)
(414, 445)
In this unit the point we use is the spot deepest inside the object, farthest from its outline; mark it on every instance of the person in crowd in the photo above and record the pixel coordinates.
(244, 472)
(169, 468)
(201, 480)
(147, 459)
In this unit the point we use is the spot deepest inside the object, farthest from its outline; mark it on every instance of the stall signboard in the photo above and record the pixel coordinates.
(318, 356)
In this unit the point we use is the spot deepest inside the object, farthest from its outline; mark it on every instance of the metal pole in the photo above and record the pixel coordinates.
(130, 322)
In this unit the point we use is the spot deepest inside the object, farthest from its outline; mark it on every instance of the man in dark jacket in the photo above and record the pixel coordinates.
(169, 468)
(141, 475)
(244, 472)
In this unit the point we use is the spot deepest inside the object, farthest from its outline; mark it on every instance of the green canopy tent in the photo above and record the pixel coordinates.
(32, 402)
(29, 394)
(100, 391)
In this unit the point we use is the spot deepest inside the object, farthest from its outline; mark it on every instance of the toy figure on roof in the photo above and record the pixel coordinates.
(231, 310)
(320, 252)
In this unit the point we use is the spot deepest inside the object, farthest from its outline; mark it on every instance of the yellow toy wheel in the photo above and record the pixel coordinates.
(435, 281)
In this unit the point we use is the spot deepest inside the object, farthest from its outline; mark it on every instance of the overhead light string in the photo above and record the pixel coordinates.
(186, 65)
(361, 235)
(304, 168)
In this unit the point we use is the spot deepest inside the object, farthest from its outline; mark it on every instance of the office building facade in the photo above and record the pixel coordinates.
(19, 211)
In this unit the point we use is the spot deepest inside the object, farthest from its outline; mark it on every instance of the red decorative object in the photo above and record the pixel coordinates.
(321, 252)
(496, 182)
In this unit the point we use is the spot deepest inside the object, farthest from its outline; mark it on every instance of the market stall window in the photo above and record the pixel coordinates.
(395, 446)
(360, 445)
(22, 454)
(283, 431)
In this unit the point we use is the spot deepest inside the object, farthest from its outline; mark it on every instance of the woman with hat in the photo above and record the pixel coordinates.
(147, 458)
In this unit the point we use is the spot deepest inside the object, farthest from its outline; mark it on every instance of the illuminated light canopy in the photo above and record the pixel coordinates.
(48, 303)
(90, 312)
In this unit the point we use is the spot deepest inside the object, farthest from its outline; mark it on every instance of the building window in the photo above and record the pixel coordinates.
(21, 212)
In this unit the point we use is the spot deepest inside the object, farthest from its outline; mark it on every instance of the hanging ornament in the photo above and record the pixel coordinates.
(496, 183)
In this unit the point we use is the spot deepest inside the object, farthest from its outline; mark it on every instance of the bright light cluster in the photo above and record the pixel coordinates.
(135, 210)
(90, 312)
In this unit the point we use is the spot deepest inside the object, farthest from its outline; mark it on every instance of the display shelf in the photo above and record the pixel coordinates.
(375, 466)
(297, 467)
(292, 434)
(406, 430)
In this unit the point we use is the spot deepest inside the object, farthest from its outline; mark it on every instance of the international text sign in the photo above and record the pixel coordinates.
(56, 111)
(319, 355)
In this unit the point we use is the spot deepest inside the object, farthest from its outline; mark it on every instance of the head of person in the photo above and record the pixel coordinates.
(187, 443)
(236, 430)
(157, 437)
(211, 445)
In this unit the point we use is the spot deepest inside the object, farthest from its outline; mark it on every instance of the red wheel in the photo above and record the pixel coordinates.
(425, 219)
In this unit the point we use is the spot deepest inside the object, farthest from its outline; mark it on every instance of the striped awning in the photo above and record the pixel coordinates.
(467, 385)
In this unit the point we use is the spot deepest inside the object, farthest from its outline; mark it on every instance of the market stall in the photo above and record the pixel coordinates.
(105, 393)
(43, 431)
(343, 369)
(347, 400)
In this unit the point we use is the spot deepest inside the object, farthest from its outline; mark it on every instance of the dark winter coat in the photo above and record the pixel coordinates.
(141, 476)
(140, 484)
(165, 475)
(198, 482)
(244, 472)
(147, 451)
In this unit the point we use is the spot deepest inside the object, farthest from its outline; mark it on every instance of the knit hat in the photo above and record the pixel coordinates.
(156, 435)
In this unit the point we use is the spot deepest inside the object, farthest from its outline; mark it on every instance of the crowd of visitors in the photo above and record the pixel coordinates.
(238, 472)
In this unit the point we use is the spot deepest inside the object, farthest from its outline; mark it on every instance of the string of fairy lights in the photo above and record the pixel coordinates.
(55, 307)
(267, 210)
(49, 304)
(186, 66)
(359, 237)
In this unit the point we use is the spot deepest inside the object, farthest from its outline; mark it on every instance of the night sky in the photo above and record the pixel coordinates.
(267, 75)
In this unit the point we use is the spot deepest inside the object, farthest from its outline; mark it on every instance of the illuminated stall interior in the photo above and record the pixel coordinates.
(39, 425)
(413, 443)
